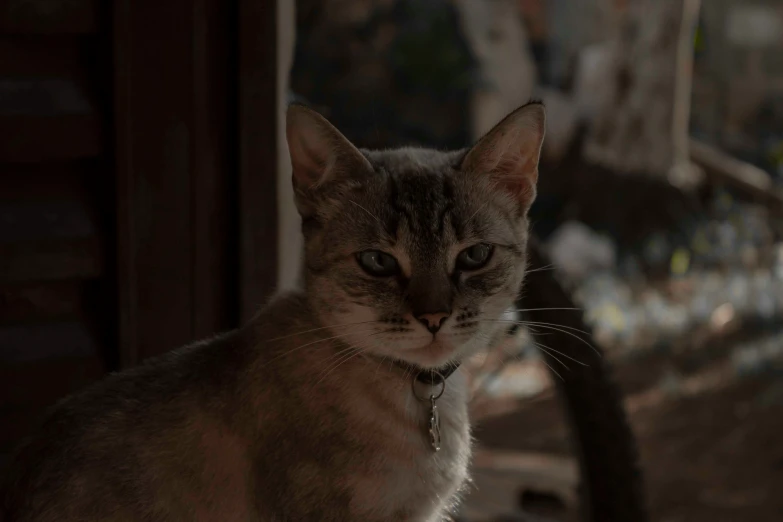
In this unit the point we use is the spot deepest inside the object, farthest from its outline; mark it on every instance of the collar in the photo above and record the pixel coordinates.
(429, 376)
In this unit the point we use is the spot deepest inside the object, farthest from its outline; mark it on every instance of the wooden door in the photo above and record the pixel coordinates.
(137, 186)
(57, 320)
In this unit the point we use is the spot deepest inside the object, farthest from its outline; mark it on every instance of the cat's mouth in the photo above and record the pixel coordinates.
(434, 354)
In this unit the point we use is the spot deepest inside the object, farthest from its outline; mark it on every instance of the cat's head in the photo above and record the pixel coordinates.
(415, 254)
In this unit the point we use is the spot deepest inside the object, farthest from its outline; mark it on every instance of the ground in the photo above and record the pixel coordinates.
(711, 447)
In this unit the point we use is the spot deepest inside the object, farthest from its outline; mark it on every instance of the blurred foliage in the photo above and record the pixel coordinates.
(391, 73)
(428, 53)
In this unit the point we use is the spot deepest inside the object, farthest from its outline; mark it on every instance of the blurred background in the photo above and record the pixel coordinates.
(145, 202)
(660, 204)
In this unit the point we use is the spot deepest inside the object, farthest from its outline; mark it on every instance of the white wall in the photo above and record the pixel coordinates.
(289, 238)
(498, 39)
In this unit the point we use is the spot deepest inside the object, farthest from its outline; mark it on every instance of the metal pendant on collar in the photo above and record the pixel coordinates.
(436, 380)
(434, 425)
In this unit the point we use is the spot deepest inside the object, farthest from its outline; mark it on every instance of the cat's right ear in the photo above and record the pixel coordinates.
(509, 153)
(319, 154)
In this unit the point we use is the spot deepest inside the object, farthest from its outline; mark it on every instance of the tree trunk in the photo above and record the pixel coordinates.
(642, 121)
(498, 39)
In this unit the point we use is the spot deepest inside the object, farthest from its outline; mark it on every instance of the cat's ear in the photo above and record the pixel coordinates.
(319, 154)
(509, 153)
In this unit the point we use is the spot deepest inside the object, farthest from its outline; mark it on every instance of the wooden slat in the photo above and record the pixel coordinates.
(16, 423)
(55, 182)
(38, 139)
(258, 153)
(36, 342)
(32, 387)
(49, 226)
(36, 57)
(41, 221)
(46, 215)
(214, 247)
(47, 76)
(747, 179)
(38, 97)
(46, 261)
(49, 16)
(22, 303)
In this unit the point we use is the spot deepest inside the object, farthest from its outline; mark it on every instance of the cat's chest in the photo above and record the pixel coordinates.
(405, 477)
(434, 477)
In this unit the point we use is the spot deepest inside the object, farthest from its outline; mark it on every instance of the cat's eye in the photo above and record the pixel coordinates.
(377, 263)
(475, 257)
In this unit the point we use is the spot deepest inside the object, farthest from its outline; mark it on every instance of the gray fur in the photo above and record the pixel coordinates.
(300, 415)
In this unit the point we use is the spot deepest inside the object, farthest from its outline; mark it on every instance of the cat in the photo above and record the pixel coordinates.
(339, 402)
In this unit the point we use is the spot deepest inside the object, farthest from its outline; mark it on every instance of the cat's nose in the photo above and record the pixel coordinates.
(433, 321)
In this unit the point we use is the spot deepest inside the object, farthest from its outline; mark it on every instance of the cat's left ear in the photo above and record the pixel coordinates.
(509, 153)
(319, 154)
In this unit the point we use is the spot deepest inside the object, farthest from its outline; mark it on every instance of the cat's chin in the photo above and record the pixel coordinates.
(432, 355)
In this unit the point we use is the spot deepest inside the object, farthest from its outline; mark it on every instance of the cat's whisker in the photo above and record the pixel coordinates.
(538, 323)
(336, 360)
(532, 325)
(571, 328)
(541, 269)
(343, 325)
(546, 350)
(478, 391)
(352, 351)
(549, 350)
(288, 352)
(553, 370)
(550, 326)
(542, 309)
(344, 347)
(376, 218)
(564, 330)
(359, 347)
(520, 357)
(482, 207)
(380, 363)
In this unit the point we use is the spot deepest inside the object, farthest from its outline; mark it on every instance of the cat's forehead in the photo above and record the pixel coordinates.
(413, 161)
(419, 180)
(420, 198)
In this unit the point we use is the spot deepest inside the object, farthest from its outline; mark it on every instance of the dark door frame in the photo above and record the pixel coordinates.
(196, 166)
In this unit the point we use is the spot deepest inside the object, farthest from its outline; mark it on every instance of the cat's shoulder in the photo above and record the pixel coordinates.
(284, 313)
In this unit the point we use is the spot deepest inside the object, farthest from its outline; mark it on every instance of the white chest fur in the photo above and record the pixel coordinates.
(409, 479)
